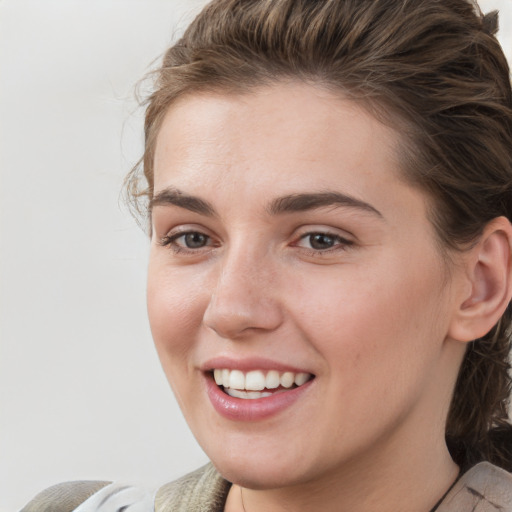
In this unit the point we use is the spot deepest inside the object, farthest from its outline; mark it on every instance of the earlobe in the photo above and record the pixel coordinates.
(489, 275)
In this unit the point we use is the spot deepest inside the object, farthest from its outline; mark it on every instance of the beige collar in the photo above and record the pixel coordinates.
(484, 488)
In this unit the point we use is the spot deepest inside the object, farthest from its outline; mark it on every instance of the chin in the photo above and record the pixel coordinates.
(260, 469)
(256, 476)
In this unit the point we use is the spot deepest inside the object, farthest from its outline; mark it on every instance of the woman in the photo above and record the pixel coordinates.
(329, 190)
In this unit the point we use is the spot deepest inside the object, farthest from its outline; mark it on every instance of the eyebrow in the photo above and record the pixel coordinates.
(173, 196)
(303, 202)
(285, 204)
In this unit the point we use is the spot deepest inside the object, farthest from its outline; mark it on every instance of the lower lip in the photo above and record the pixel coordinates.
(240, 409)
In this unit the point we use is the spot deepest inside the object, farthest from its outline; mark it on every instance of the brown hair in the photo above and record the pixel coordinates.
(435, 71)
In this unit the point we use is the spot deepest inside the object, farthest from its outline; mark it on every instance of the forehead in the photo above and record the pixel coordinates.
(287, 126)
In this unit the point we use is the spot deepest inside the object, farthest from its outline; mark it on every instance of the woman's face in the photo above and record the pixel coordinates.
(286, 250)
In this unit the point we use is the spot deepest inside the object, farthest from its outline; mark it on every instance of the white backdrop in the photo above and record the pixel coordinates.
(82, 395)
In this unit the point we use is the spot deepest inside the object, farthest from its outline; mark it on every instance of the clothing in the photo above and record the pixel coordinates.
(204, 490)
(484, 488)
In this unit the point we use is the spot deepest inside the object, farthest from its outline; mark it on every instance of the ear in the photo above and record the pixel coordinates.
(487, 288)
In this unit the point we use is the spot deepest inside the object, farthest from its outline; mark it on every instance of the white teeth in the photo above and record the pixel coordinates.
(272, 380)
(250, 384)
(251, 395)
(255, 381)
(287, 379)
(301, 378)
(236, 379)
(217, 375)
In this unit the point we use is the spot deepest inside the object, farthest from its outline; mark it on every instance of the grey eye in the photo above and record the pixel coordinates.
(195, 240)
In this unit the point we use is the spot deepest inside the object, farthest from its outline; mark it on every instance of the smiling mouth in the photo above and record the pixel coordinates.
(258, 383)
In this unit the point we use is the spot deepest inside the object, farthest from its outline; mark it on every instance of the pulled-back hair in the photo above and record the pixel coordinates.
(431, 69)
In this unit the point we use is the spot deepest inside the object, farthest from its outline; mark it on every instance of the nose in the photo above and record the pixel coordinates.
(244, 298)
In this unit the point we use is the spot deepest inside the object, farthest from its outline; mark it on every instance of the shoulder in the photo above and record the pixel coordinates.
(84, 496)
(203, 490)
(64, 497)
(484, 488)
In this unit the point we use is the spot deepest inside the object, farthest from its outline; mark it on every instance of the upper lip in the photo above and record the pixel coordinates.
(248, 364)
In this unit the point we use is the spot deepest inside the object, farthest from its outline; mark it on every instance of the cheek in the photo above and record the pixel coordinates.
(174, 312)
(174, 309)
(380, 322)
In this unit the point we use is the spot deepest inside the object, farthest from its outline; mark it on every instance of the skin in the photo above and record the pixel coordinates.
(371, 316)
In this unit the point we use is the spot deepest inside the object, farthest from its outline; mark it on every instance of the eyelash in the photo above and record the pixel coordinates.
(340, 243)
(170, 242)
